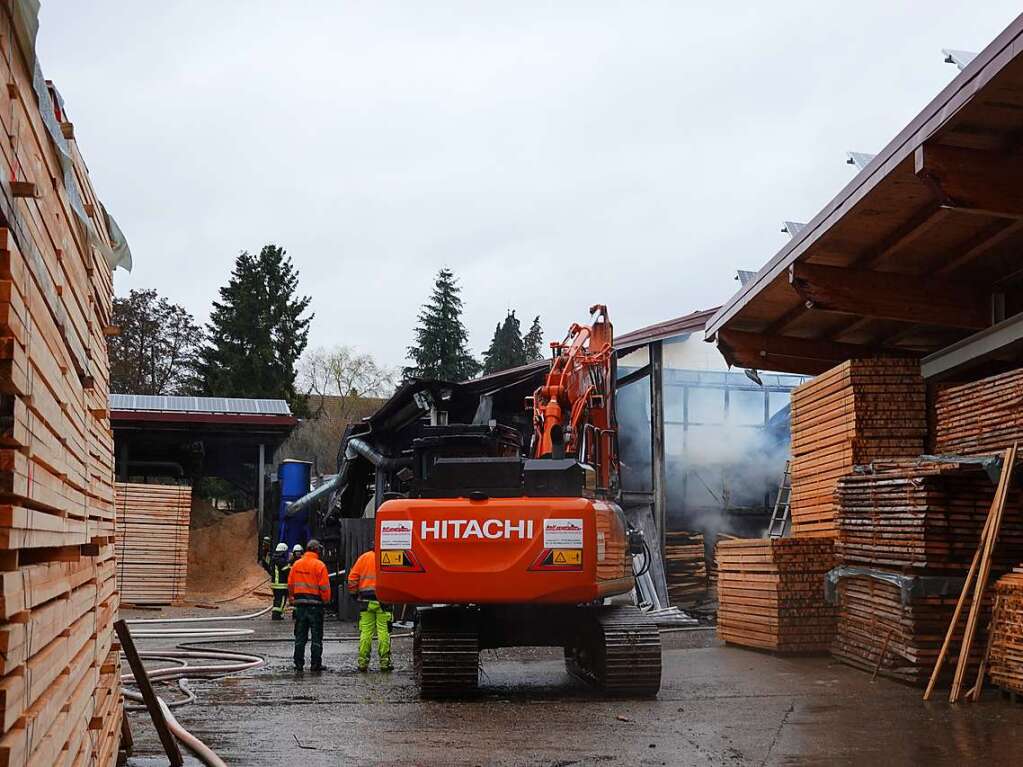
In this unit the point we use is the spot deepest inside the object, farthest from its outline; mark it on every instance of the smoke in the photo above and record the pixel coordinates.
(721, 478)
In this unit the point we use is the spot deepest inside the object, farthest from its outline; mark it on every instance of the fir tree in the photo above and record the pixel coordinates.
(506, 348)
(533, 342)
(256, 331)
(440, 351)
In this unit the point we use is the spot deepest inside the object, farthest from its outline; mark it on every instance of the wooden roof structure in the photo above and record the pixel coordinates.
(920, 251)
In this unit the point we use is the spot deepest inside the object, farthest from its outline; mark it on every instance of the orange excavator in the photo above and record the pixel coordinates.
(503, 547)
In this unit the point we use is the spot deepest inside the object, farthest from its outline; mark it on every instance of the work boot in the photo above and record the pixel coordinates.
(387, 668)
(363, 669)
(276, 617)
(298, 669)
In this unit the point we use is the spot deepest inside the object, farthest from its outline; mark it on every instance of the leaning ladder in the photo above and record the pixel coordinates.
(780, 515)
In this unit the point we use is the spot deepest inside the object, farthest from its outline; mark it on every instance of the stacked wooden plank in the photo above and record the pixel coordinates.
(926, 518)
(152, 542)
(60, 700)
(855, 413)
(1005, 665)
(912, 521)
(879, 630)
(685, 567)
(979, 417)
(771, 594)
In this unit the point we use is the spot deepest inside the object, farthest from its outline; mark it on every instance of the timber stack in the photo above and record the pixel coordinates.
(685, 567)
(771, 594)
(60, 699)
(907, 535)
(152, 542)
(857, 412)
(1005, 665)
(979, 417)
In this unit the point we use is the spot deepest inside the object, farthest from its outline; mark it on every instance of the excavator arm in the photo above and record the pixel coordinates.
(573, 411)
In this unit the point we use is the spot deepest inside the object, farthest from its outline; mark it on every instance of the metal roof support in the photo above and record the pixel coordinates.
(961, 59)
(859, 159)
(1003, 339)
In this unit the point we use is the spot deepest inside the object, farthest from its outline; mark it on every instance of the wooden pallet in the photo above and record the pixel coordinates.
(771, 594)
(60, 699)
(152, 542)
(855, 413)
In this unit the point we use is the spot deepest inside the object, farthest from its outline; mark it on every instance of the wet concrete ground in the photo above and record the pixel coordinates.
(718, 706)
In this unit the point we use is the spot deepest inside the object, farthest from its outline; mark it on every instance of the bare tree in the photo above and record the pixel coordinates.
(341, 386)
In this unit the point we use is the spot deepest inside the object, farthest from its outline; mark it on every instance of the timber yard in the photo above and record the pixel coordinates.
(762, 513)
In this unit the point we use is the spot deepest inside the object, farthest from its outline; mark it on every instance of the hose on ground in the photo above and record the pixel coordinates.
(182, 670)
(205, 754)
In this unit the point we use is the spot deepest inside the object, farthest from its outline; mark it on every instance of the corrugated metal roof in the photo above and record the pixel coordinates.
(224, 405)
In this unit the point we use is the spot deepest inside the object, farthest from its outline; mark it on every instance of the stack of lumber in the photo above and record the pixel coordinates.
(926, 518)
(685, 567)
(979, 417)
(60, 699)
(771, 594)
(1005, 664)
(878, 631)
(855, 413)
(912, 520)
(152, 542)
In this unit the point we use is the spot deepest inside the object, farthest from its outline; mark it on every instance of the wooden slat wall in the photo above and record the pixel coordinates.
(152, 542)
(60, 699)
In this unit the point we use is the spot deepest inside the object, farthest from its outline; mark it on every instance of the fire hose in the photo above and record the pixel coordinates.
(182, 670)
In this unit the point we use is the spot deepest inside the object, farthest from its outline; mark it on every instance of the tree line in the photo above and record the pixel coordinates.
(254, 343)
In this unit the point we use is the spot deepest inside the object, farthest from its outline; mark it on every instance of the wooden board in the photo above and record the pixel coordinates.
(60, 698)
(152, 542)
(1005, 664)
(980, 417)
(685, 567)
(771, 594)
(858, 412)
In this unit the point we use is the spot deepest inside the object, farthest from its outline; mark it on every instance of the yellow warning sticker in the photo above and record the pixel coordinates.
(392, 558)
(567, 557)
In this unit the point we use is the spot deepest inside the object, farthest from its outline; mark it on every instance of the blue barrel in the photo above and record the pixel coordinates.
(294, 478)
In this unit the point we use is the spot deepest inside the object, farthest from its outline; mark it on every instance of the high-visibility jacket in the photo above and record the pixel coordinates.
(279, 571)
(362, 578)
(308, 581)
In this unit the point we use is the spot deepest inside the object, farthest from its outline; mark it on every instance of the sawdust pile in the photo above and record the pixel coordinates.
(222, 561)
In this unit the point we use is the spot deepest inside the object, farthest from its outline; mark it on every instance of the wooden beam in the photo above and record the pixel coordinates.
(973, 180)
(761, 344)
(919, 223)
(891, 296)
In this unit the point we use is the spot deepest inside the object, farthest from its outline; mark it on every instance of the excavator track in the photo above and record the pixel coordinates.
(618, 651)
(446, 655)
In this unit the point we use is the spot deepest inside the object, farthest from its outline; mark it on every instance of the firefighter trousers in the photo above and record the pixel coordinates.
(280, 599)
(374, 618)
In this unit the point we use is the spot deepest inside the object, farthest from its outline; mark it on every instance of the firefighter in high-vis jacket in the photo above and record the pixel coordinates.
(309, 590)
(280, 567)
(362, 584)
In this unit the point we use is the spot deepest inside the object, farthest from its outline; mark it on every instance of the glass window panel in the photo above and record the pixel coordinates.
(777, 400)
(746, 407)
(706, 405)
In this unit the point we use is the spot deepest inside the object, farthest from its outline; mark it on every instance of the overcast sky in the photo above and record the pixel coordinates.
(553, 154)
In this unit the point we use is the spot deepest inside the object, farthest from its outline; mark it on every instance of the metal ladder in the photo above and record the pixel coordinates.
(780, 515)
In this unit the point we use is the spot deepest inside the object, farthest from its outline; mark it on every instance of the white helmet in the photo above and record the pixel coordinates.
(282, 548)
(296, 549)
